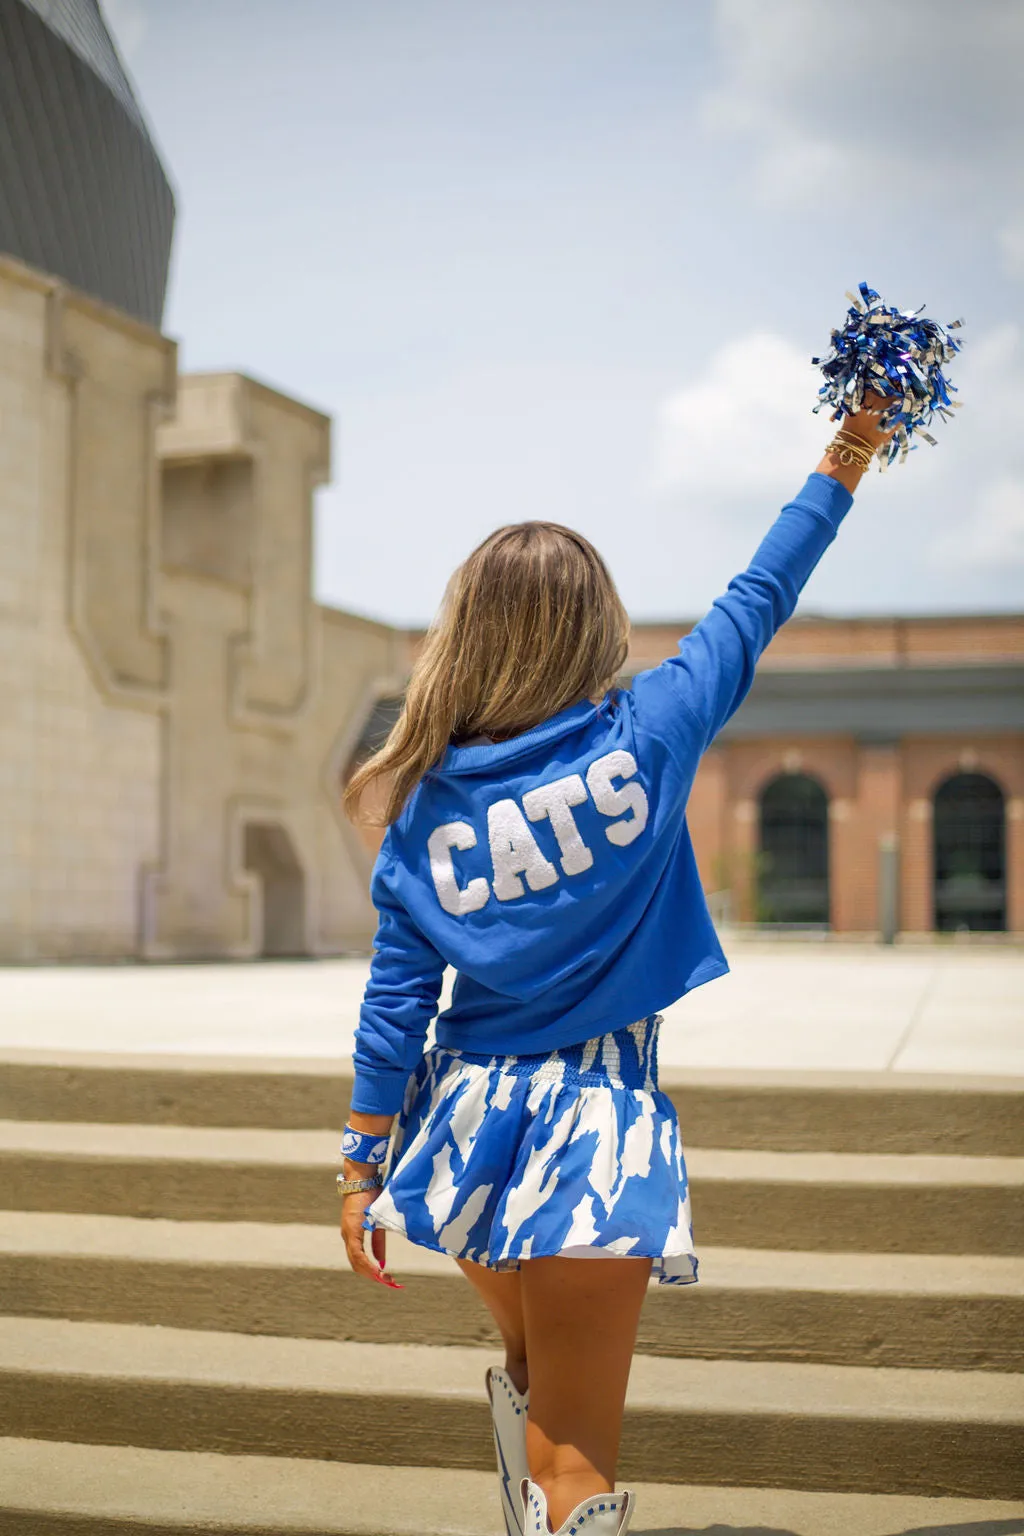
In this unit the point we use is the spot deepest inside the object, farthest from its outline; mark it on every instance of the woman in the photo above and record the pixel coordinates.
(537, 842)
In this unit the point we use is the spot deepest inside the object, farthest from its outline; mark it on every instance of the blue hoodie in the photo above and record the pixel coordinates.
(554, 871)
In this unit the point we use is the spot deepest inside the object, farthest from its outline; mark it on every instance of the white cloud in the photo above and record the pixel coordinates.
(745, 426)
(861, 108)
(993, 536)
(740, 437)
(984, 502)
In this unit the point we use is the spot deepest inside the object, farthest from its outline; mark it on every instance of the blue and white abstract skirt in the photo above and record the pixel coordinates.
(503, 1158)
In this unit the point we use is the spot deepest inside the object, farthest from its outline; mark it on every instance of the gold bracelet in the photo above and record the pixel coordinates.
(853, 439)
(850, 439)
(850, 449)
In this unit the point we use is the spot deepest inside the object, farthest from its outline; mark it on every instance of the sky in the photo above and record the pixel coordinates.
(570, 259)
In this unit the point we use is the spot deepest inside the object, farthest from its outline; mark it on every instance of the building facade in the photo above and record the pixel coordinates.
(175, 710)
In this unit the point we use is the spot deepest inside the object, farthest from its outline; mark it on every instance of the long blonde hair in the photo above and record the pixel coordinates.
(530, 624)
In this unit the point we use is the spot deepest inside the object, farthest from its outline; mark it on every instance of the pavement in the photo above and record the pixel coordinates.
(173, 1278)
(788, 1006)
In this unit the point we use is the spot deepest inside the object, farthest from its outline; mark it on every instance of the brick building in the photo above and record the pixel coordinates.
(872, 780)
(874, 760)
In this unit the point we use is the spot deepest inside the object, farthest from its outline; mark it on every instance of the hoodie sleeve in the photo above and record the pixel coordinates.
(399, 1002)
(712, 673)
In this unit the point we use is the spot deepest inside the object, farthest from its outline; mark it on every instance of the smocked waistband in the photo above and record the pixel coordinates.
(625, 1058)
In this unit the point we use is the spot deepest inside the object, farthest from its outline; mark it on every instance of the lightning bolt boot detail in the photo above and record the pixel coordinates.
(508, 1415)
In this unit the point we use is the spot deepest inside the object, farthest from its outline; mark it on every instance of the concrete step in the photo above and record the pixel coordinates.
(88, 1490)
(293, 1281)
(819, 1201)
(784, 1112)
(838, 1429)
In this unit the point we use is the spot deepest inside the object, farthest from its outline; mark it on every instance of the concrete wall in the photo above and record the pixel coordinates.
(175, 707)
(79, 775)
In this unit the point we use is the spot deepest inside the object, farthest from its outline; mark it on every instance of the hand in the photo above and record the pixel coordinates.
(353, 1208)
(864, 423)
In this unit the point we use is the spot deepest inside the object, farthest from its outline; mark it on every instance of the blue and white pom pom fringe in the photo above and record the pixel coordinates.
(896, 353)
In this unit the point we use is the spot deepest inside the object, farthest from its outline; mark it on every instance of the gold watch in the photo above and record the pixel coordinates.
(356, 1186)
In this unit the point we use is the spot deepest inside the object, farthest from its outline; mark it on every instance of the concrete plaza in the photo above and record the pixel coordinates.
(788, 1006)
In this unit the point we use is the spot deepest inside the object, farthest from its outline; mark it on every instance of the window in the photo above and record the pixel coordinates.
(969, 827)
(793, 866)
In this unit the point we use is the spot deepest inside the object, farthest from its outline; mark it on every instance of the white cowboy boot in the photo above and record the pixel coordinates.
(603, 1514)
(508, 1414)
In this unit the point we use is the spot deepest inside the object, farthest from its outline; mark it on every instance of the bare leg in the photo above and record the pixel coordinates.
(502, 1296)
(581, 1319)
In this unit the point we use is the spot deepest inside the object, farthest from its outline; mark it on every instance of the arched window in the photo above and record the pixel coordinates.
(793, 866)
(969, 827)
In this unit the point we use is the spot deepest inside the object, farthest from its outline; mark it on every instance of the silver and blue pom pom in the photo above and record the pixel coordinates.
(895, 353)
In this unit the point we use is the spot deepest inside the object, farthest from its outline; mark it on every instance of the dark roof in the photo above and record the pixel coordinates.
(872, 703)
(882, 702)
(83, 194)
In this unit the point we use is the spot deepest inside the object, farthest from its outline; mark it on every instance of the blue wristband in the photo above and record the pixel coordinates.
(364, 1146)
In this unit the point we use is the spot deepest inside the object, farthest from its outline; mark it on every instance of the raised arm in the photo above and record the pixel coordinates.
(711, 674)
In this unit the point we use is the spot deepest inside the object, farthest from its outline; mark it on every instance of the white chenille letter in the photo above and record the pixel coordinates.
(553, 801)
(614, 802)
(514, 852)
(454, 899)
